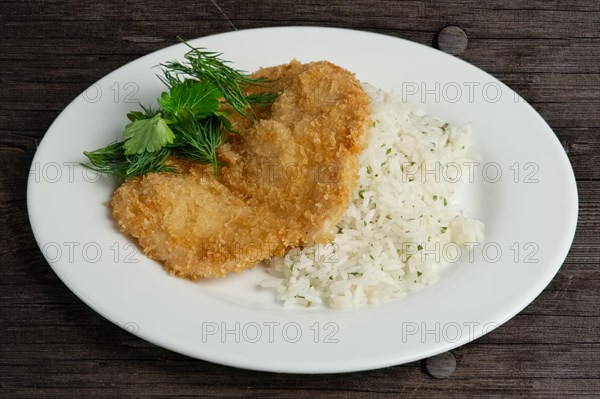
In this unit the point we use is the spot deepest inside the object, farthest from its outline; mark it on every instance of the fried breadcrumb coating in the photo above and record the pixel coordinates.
(285, 180)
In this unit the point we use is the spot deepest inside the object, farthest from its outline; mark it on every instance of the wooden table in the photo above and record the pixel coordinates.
(53, 345)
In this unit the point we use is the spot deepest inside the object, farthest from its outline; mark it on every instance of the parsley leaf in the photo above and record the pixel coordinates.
(147, 135)
(200, 98)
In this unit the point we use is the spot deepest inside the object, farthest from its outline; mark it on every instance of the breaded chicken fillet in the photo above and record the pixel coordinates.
(285, 180)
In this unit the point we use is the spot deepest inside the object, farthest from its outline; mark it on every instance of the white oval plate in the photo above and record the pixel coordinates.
(523, 190)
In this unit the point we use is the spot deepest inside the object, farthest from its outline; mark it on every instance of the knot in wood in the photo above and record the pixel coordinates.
(452, 40)
(441, 366)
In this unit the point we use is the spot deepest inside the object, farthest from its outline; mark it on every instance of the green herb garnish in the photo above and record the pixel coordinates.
(147, 135)
(201, 99)
(191, 122)
(207, 66)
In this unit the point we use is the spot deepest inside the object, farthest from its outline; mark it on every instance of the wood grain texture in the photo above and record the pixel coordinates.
(52, 345)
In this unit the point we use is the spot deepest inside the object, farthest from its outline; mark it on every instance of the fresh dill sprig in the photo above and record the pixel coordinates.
(111, 160)
(198, 141)
(262, 99)
(208, 66)
(191, 122)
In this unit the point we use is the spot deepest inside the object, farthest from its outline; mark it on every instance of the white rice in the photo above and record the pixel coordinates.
(402, 225)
